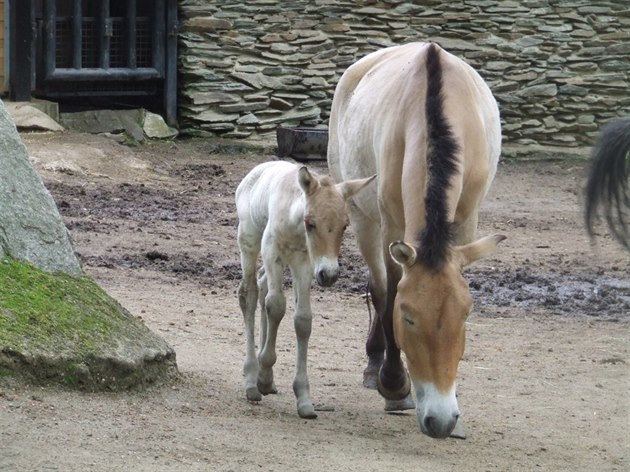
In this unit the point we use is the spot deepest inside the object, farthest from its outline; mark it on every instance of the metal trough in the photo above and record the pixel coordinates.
(302, 144)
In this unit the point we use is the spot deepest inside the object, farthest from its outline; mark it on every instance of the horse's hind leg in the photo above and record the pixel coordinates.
(274, 305)
(302, 321)
(249, 245)
(263, 289)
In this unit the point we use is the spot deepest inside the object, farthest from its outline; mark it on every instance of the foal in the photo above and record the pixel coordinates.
(295, 219)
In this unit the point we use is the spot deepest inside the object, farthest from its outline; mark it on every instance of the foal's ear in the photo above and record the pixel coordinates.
(350, 187)
(481, 248)
(307, 181)
(403, 253)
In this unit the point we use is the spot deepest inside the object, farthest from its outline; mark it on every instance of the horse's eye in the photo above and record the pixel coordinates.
(310, 226)
(409, 321)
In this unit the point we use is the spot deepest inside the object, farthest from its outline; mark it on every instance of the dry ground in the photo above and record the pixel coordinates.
(543, 385)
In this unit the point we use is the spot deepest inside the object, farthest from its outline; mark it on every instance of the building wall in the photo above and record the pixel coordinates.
(558, 68)
(2, 52)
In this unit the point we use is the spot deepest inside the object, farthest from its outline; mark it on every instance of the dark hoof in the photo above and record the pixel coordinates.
(370, 374)
(406, 403)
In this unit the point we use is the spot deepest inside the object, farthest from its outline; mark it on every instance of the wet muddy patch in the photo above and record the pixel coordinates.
(577, 294)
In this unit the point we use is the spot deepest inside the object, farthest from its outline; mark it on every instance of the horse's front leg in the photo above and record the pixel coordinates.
(393, 380)
(274, 308)
(302, 277)
(368, 238)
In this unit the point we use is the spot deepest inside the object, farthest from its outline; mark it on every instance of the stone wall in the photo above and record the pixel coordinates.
(559, 68)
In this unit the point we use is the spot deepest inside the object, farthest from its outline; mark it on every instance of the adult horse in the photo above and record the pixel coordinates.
(427, 124)
(292, 218)
(607, 186)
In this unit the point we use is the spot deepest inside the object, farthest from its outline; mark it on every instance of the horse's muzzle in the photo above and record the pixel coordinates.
(438, 429)
(437, 411)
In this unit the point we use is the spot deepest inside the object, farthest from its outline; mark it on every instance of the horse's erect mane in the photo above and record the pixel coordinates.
(608, 187)
(437, 235)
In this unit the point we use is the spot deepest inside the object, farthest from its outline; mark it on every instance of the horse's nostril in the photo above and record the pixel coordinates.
(429, 424)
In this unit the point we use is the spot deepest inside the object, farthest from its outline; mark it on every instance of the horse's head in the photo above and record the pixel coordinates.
(430, 312)
(325, 219)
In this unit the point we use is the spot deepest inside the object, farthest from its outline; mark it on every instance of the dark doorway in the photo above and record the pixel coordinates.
(96, 53)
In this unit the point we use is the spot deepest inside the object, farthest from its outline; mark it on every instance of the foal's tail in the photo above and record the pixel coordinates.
(607, 184)
(442, 149)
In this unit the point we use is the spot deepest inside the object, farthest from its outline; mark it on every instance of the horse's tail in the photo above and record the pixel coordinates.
(607, 184)
(442, 149)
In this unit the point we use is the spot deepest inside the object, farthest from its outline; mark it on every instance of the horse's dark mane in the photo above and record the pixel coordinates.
(437, 235)
(607, 185)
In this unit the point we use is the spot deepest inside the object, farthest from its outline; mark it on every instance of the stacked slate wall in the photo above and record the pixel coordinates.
(558, 68)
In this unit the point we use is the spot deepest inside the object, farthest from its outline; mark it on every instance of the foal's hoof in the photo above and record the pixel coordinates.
(406, 403)
(307, 411)
(253, 394)
(267, 389)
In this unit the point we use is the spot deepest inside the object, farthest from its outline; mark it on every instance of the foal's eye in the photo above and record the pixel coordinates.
(409, 321)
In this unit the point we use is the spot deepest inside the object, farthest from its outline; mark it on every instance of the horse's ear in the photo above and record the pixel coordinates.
(403, 253)
(481, 248)
(350, 187)
(307, 182)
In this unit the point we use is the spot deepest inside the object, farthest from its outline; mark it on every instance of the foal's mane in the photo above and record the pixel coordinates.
(437, 235)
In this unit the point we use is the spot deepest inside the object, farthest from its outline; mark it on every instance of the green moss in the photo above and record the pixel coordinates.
(54, 312)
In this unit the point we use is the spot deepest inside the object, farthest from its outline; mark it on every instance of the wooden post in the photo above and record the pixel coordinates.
(21, 53)
(170, 74)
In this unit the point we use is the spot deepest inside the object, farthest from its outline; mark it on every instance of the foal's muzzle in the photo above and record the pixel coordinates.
(326, 272)
(325, 278)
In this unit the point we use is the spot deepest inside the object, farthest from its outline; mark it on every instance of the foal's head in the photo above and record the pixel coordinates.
(325, 219)
(430, 310)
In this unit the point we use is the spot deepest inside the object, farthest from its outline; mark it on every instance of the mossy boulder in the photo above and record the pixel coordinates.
(56, 328)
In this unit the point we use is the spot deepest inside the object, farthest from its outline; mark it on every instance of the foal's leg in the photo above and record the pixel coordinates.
(275, 308)
(249, 245)
(302, 274)
(262, 294)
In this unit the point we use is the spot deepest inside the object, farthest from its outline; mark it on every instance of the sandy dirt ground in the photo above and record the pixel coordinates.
(543, 385)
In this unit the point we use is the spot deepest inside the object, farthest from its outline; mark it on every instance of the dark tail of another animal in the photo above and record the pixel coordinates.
(441, 165)
(607, 185)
